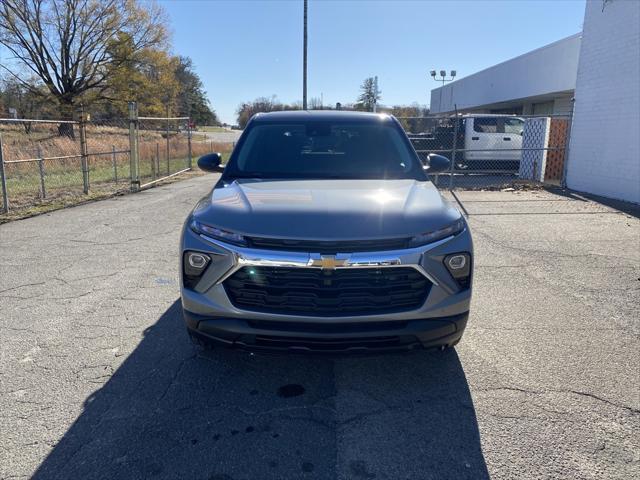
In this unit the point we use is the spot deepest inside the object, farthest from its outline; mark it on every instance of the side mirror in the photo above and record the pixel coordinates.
(211, 162)
(436, 163)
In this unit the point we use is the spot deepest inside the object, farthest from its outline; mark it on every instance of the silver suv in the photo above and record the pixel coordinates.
(324, 234)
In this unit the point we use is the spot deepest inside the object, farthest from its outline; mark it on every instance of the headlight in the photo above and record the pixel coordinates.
(430, 237)
(217, 233)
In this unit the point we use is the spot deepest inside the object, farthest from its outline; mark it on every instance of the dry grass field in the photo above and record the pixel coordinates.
(57, 180)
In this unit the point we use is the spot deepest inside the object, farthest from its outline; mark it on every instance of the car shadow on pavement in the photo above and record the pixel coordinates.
(174, 411)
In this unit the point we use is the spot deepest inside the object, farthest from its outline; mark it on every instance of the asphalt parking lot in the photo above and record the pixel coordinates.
(98, 378)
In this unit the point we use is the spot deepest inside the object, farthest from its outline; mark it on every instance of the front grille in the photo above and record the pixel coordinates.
(331, 247)
(317, 292)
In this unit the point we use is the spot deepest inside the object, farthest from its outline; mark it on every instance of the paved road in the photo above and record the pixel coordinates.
(229, 136)
(98, 379)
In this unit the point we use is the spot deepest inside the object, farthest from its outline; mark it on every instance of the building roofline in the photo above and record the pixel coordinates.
(530, 52)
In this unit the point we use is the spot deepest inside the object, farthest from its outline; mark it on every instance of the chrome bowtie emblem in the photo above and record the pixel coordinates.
(328, 262)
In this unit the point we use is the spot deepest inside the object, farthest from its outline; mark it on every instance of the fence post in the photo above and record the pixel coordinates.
(83, 151)
(133, 146)
(115, 163)
(158, 156)
(189, 142)
(565, 163)
(43, 191)
(153, 167)
(455, 147)
(168, 167)
(3, 180)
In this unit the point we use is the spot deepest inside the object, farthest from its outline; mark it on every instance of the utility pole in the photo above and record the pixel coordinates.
(304, 60)
(375, 94)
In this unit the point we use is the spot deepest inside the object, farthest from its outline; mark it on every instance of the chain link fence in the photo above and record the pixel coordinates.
(40, 160)
(52, 160)
(45, 161)
(164, 147)
(493, 151)
(108, 154)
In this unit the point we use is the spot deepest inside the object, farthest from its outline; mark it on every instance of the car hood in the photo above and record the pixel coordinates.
(326, 209)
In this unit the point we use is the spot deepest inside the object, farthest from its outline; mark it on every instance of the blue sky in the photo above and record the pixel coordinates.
(246, 49)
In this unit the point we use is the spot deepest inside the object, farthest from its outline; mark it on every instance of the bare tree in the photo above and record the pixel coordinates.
(262, 104)
(315, 103)
(71, 45)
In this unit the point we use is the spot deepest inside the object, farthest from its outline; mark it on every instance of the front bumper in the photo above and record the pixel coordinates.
(361, 337)
(439, 321)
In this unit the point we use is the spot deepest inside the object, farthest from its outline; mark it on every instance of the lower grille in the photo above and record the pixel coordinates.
(329, 344)
(324, 327)
(317, 292)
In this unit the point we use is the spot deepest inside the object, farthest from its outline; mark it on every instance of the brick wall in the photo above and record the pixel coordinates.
(604, 155)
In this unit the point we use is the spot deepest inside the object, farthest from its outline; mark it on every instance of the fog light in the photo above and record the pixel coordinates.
(195, 264)
(197, 260)
(456, 262)
(459, 266)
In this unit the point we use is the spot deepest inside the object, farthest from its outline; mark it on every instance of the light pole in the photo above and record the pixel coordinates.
(443, 78)
(304, 60)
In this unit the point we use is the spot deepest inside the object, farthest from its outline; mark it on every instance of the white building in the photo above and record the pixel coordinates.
(604, 153)
(539, 82)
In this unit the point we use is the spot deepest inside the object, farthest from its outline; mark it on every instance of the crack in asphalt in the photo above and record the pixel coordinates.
(119, 242)
(278, 410)
(633, 410)
(282, 413)
(23, 286)
(596, 397)
(530, 250)
(175, 376)
(372, 413)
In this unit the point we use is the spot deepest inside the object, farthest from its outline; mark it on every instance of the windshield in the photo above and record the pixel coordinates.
(324, 150)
